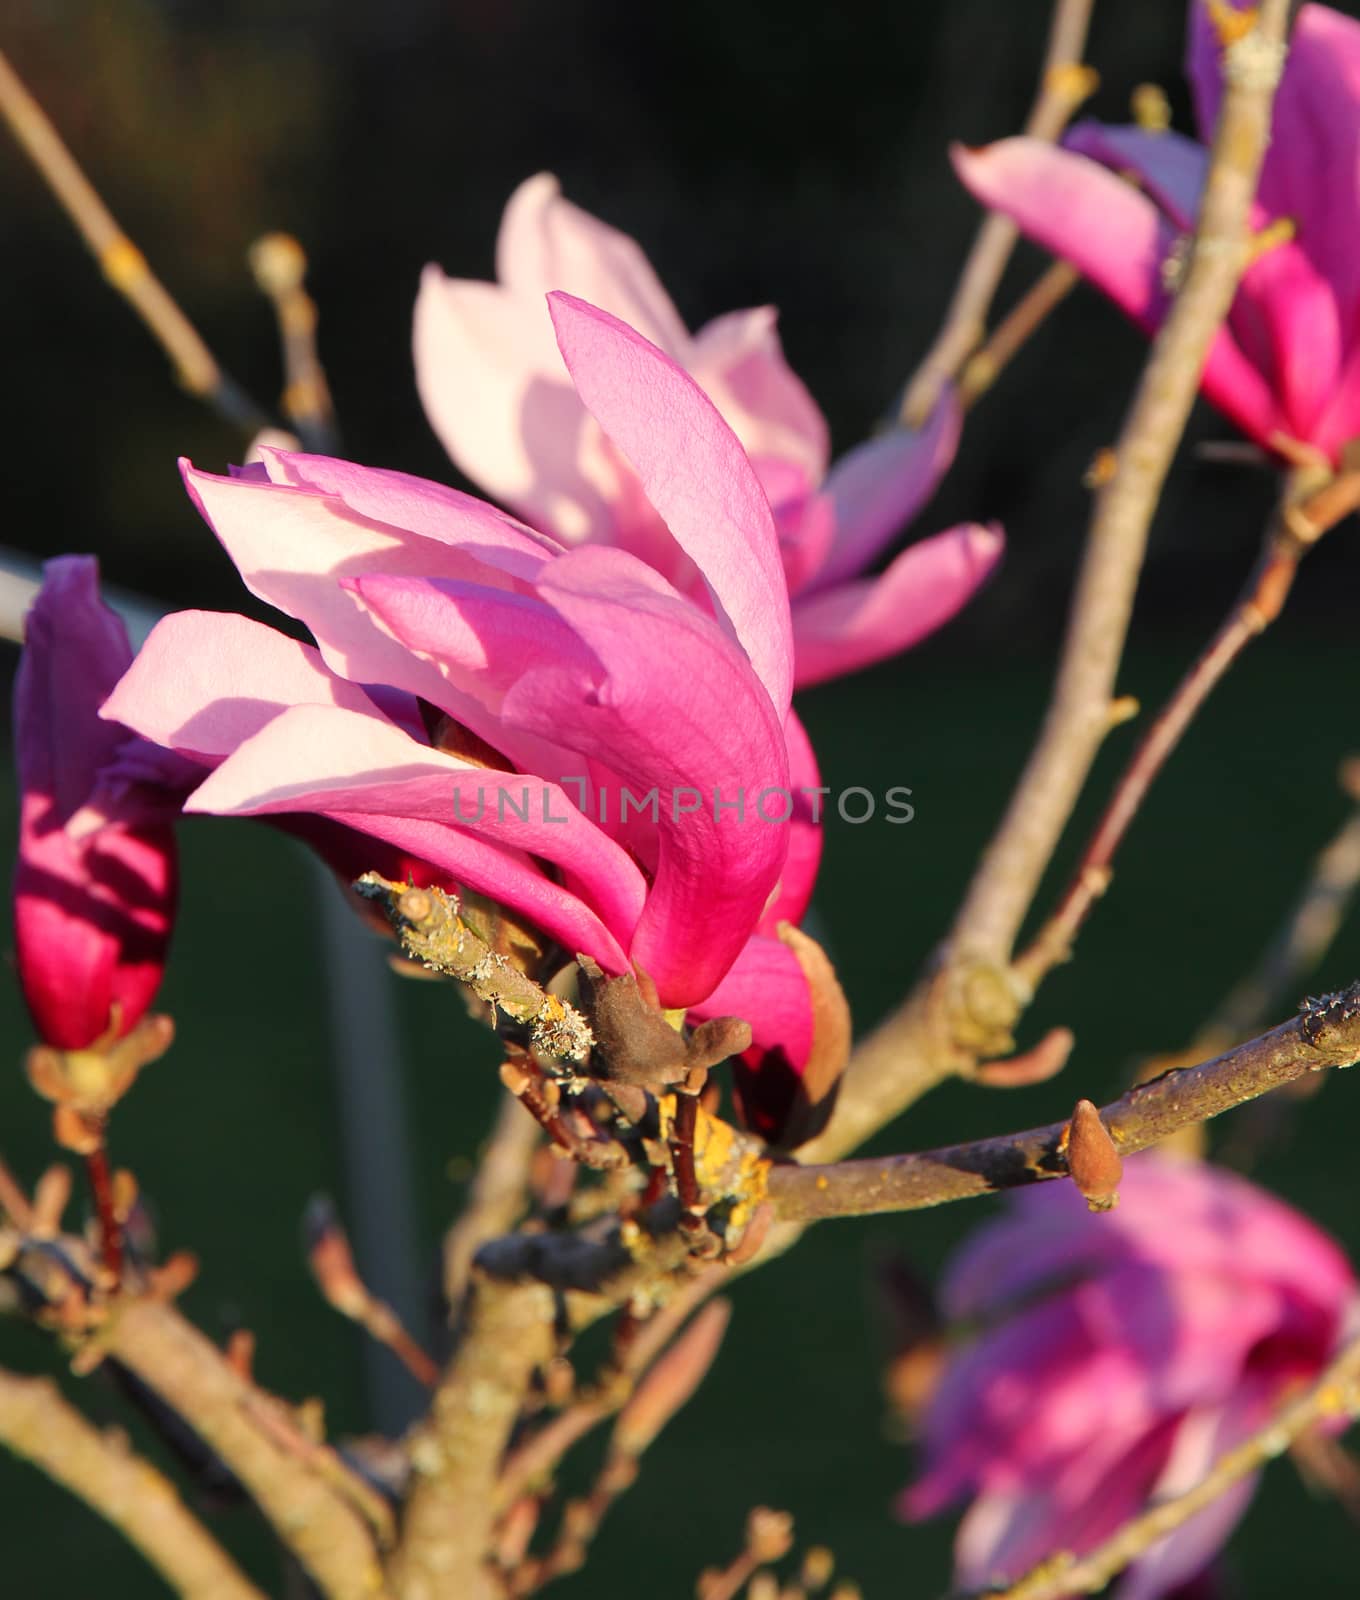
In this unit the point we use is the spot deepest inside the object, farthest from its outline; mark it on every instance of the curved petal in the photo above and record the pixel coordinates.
(476, 824)
(878, 487)
(1292, 312)
(547, 243)
(693, 471)
(739, 363)
(803, 800)
(843, 629)
(766, 986)
(206, 681)
(1169, 167)
(673, 707)
(495, 392)
(1117, 238)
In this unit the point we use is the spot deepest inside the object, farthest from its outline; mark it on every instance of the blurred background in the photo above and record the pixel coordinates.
(758, 157)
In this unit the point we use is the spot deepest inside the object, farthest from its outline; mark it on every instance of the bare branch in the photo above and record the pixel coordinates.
(280, 269)
(1063, 85)
(497, 1196)
(122, 263)
(1325, 1034)
(1335, 1394)
(38, 1424)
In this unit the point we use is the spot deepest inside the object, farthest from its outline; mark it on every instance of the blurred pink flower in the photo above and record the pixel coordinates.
(567, 681)
(495, 393)
(1117, 1357)
(1286, 365)
(94, 888)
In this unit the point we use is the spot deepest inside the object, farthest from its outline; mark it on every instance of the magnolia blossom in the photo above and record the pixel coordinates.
(560, 730)
(94, 892)
(495, 393)
(1119, 1356)
(1286, 365)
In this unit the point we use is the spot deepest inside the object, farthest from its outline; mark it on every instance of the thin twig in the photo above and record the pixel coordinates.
(497, 1196)
(121, 262)
(280, 269)
(110, 1228)
(1335, 1394)
(1326, 1034)
(38, 1424)
(311, 1509)
(1063, 85)
(1039, 301)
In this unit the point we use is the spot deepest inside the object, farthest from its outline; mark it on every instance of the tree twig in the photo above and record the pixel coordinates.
(320, 1519)
(1335, 1394)
(38, 1424)
(1063, 85)
(280, 269)
(497, 1194)
(121, 262)
(1325, 1034)
(1019, 324)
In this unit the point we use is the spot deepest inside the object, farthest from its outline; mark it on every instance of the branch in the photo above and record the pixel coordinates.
(320, 1511)
(280, 269)
(1004, 886)
(965, 1008)
(1333, 1395)
(1325, 1034)
(1038, 302)
(122, 263)
(497, 1195)
(456, 1452)
(38, 1424)
(1063, 85)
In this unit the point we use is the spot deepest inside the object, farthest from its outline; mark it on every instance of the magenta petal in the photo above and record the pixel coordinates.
(879, 487)
(693, 471)
(806, 806)
(673, 707)
(205, 681)
(1075, 208)
(765, 985)
(1294, 307)
(478, 825)
(840, 630)
(739, 363)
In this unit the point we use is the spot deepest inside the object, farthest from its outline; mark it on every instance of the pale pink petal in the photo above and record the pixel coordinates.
(205, 681)
(878, 487)
(548, 243)
(739, 363)
(479, 825)
(674, 707)
(495, 392)
(695, 474)
(418, 506)
(842, 629)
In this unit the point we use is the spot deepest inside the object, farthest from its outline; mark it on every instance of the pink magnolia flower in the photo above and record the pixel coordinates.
(1120, 1355)
(94, 895)
(557, 729)
(495, 393)
(1286, 366)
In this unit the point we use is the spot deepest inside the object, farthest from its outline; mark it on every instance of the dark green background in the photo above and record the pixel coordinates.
(758, 159)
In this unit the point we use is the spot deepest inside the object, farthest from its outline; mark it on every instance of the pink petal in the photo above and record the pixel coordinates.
(464, 820)
(1169, 167)
(547, 243)
(878, 487)
(693, 471)
(206, 681)
(739, 363)
(1295, 312)
(1117, 238)
(496, 393)
(806, 805)
(765, 986)
(842, 629)
(673, 706)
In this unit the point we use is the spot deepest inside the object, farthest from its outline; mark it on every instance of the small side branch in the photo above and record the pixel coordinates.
(1063, 85)
(1335, 1394)
(1326, 1034)
(122, 263)
(38, 1424)
(497, 1196)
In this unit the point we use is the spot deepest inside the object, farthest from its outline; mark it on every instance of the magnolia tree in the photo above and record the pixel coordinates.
(548, 743)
